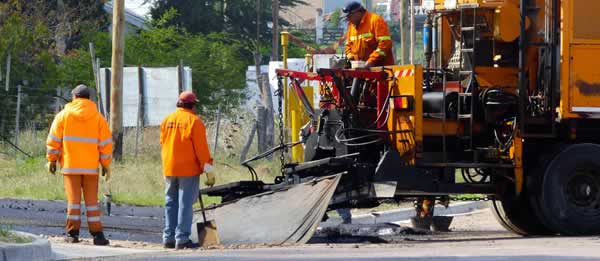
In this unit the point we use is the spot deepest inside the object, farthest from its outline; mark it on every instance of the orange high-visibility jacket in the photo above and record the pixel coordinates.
(370, 42)
(184, 147)
(80, 139)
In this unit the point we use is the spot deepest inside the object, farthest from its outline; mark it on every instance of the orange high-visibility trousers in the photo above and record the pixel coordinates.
(73, 187)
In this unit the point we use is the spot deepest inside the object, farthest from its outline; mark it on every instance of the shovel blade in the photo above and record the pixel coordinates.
(207, 234)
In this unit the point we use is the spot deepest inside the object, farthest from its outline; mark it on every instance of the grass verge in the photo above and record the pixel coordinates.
(136, 180)
(6, 236)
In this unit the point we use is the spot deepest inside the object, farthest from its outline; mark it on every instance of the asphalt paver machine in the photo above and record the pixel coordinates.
(505, 105)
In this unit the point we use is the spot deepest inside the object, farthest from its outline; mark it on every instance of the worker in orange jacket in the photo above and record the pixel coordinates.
(368, 37)
(185, 156)
(80, 140)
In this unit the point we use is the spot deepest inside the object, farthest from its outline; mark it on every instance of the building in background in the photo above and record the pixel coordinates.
(137, 15)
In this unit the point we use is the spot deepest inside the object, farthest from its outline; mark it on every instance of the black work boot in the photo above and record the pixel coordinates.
(72, 236)
(99, 239)
(187, 245)
(169, 244)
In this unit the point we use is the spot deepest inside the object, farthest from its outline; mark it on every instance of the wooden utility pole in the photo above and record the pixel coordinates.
(257, 51)
(404, 31)
(275, 32)
(118, 45)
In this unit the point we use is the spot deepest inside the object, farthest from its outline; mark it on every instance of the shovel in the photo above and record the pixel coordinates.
(207, 230)
(107, 196)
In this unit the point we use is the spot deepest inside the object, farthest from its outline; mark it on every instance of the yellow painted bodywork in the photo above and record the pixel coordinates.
(516, 155)
(506, 25)
(503, 77)
(299, 117)
(409, 142)
(435, 127)
(580, 59)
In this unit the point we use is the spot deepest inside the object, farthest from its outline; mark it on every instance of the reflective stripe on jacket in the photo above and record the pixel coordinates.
(183, 144)
(371, 41)
(79, 138)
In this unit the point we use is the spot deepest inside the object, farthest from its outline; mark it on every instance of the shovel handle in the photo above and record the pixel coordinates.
(201, 205)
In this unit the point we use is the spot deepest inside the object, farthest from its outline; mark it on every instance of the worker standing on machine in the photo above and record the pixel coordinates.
(368, 37)
(185, 156)
(80, 139)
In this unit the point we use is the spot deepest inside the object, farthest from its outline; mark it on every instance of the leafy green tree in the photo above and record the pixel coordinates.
(335, 19)
(65, 20)
(237, 17)
(216, 59)
(32, 65)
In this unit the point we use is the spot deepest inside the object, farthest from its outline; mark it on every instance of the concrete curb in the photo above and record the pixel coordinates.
(397, 215)
(38, 250)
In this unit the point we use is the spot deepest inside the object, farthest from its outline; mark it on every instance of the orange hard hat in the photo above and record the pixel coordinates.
(187, 97)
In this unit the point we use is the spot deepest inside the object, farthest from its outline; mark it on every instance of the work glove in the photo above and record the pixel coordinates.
(106, 173)
(210, 179)
(51, 167)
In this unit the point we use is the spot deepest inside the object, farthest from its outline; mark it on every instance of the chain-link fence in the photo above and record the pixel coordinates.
(25, 114)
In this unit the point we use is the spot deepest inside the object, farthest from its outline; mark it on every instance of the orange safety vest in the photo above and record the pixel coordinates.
(370, 42)
(183, 145)
(79, 137)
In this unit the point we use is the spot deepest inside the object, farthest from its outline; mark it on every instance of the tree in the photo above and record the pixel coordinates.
(218, 66)
(65, 20)
(237, 17)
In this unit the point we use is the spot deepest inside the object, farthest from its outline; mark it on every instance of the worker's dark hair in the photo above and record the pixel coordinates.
(188, 106)
(81, 91)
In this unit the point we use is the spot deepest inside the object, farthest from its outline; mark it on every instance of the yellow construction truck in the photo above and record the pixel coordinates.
(506, 105)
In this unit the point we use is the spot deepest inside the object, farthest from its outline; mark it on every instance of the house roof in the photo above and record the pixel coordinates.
(131, 17)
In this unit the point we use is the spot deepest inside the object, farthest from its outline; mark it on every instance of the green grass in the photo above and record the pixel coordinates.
(6, 236)
(135, 180)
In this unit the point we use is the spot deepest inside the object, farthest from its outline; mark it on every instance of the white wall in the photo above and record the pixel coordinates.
(160, 87)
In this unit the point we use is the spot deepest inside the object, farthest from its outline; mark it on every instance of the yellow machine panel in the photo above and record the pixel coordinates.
(580, 78)
(406, 124)
(586, 25)
(584, 94)
(505, 28)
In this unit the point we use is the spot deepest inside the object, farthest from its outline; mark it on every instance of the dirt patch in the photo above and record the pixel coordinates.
(113, 243)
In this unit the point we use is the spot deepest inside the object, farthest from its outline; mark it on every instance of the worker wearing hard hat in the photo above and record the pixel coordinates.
(185, 156)
(80, 140)
(368, 37)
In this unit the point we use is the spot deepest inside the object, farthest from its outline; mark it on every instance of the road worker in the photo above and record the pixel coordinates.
(80, 141)
(185, 156)
(368, 38)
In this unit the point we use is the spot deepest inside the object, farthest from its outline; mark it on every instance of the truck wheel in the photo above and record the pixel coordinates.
(570, 196)
(517, 215)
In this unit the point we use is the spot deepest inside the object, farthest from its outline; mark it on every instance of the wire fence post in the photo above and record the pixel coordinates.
(7, 71)
(57, 100)
(17, 115)
(217, 131)
(140, 108)
(246, 148)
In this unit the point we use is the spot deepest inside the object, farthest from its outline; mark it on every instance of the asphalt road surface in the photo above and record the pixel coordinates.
(474, 236)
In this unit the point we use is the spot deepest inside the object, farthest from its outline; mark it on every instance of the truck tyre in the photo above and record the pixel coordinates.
(570, 196)
(516, 214)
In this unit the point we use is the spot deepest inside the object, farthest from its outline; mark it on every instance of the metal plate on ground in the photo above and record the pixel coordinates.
(286, 216)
